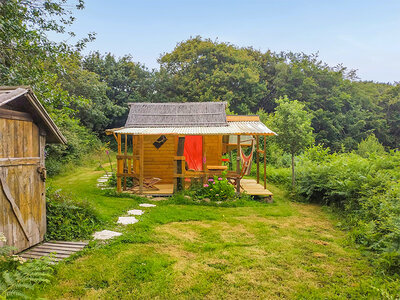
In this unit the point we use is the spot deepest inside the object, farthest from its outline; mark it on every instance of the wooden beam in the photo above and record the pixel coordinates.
(236, 118)
(180, 181)
(141, 164)
(238, 165)
(119, 164)
(15, 115)
(125, 162)
(265, 162)
(19, 161)
(258, 158)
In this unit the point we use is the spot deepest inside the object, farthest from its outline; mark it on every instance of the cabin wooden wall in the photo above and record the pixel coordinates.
(21, 153)
(212, 149)
(159, 162)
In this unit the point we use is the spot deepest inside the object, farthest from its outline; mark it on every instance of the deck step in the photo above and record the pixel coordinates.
(58, 249)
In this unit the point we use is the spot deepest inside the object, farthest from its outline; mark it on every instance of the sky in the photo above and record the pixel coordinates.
(362, 35)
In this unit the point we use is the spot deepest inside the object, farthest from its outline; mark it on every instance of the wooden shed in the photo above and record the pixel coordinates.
(161, 140)
(25, 128)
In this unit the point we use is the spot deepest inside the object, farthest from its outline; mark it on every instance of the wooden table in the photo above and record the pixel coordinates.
(215, 170)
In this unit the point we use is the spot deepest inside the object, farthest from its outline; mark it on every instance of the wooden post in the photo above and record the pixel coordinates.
(180, 181)
(141, 164)
(125, 161)
(258, 157)
(119, 165)
(238, 165)
(265, 162)
(43, 223)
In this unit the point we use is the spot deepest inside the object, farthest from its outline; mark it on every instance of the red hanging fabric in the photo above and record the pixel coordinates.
(193, 152)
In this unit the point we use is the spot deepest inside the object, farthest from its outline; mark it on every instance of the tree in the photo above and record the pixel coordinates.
(126, 82)
(370, 146)
(203, 70)
(292, 123)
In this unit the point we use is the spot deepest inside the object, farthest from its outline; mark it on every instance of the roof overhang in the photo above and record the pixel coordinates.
(233, 128)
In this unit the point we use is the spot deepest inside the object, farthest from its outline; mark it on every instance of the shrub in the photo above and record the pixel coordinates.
(217, 189)
(112, 181)
(67, 219)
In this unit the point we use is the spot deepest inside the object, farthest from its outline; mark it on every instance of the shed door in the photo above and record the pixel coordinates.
(23, 218)
(193, 152)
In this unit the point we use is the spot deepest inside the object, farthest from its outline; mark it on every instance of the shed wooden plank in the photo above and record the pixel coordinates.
(45, 253)
(43, 246)
(69, 243)
(43, 250)
(9, 132)
(19, 138)
(15, 208)
(50, 245)
(2, 137)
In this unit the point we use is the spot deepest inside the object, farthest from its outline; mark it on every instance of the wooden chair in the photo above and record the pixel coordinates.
(148, 183)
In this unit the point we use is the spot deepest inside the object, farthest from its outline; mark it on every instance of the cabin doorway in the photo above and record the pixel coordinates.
(193, 152)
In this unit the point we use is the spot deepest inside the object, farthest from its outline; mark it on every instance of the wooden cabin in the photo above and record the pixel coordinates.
(25, 128)
(162, 140)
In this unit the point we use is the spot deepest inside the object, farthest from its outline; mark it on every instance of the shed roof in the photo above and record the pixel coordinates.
(22, 99)
(190, 114)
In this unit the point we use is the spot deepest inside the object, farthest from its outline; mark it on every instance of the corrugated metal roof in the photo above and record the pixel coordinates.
(250, 128)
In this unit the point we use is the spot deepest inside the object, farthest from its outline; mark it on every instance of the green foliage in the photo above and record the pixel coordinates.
(370, 146)
(126, 82)
(345, 111)
(216, 189)
(293, 126)
(16, 283)
(67, 219)
(204, 70)
(81, 142)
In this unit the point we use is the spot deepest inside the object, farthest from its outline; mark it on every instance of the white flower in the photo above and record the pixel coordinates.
(2, 237)
(19, 259)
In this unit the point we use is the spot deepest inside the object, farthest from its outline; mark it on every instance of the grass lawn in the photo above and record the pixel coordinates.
(186, 251)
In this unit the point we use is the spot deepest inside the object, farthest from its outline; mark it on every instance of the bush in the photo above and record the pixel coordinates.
(112, 181)
(67, 219)
(216, 189)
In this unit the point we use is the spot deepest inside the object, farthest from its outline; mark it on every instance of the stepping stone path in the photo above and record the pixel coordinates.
(135, 212)
(127, 220)
(102, 182)
(105, 235)
(147, 205)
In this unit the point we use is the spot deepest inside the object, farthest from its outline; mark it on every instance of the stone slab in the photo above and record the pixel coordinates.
(147, 205)
(105, 235)
(135, 212)
(127, 220)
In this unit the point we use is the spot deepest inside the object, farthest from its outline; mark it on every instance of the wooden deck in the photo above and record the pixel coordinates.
(254, 189)
(250, 186)
(59, 249)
